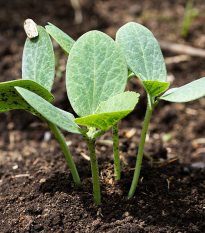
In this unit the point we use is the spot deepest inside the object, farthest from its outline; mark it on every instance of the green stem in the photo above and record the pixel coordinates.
(66, 152)
(94, 168)
(98, 133)
(140, 151)
(116, 151)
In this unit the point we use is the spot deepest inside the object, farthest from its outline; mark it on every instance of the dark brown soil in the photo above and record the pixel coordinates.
(37, 193)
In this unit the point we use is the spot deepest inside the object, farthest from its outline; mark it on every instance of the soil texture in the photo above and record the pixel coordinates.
(37, 192)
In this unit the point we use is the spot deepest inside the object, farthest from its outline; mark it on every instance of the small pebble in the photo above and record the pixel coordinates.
(186, 170)
(11, 125)
(42, 180)
(47, 136)
(126, 214)
(15, 167)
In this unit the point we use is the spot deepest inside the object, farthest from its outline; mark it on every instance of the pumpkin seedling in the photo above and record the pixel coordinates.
(144, 58)
(66, 43)
(96, 76)
(38, 68)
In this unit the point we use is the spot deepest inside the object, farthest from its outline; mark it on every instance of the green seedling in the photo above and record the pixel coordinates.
(38, 68)
(96, 76)
(66, 43)
(144, 58)
(189, 15)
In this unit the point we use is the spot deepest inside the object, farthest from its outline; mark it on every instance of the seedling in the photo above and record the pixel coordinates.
(144, 58)
(38, 68)
(66, 43)
(96, 76)
(189, 15)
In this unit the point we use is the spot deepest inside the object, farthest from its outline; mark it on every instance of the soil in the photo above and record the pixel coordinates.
(37, 193)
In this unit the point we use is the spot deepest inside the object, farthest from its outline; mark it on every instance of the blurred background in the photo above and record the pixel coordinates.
(165, 18)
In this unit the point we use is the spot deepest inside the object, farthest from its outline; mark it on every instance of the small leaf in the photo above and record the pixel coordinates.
(38, 60)
(121, 102)
(10, 98)
(102, 121)
(55, 115)
(154, 88)
(111, 111)
(96, 70)
(65, 41)
(142, 51)
(191, 91)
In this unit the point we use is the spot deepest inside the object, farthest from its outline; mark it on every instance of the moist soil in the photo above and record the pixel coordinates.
(37, 192)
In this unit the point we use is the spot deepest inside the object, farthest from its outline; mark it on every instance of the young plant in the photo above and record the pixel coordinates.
(189, 15)
(96, 76)
(144, 58)
(38, 68)
(66, 43)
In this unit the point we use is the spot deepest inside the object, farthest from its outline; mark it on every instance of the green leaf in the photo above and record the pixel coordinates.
(121, 102)
(111, 111)
(142, 52)
(191, 91)
(38, 60)
(10, 98)
(154, 88)
(102, 121)
(55, 115)
(65, 41)
(96, 70)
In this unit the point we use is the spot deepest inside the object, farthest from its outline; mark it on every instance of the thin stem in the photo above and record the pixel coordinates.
(94, 168)
(140, 151)
(66, 152)
(98, 133)
(116, 151)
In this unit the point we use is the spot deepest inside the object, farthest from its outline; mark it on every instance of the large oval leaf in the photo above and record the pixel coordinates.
(191, 91)
(38, 60)
(55, 115)
(142, 52)
(65, 41)
(96, 70)
(10, 98)
(111, 111)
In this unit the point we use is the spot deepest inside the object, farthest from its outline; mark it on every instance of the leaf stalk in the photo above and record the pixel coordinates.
(150, 108)
(94, 168)
(98, 133)
(66, 151)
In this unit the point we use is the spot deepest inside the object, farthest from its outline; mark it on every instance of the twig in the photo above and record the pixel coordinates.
(168, 182)
(177, 59)
(170, 161)
(21, 175)
(85, 156)
(78, 13)
(181, 49)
